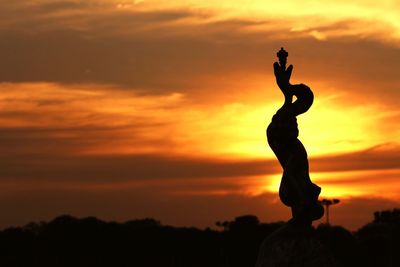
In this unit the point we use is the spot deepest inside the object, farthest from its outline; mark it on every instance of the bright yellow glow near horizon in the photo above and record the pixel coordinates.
(222, 130)
(343, 184)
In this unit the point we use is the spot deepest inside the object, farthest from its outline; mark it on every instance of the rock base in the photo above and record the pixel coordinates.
(293, 245)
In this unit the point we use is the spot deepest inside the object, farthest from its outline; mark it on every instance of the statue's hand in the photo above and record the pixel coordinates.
(282, 76)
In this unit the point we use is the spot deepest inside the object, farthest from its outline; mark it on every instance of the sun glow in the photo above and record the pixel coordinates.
(342, 184)
(227, 130)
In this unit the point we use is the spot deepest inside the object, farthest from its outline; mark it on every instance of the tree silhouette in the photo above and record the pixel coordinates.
(69, 241)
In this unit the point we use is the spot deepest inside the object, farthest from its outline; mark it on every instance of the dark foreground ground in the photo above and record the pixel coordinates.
(68, 241)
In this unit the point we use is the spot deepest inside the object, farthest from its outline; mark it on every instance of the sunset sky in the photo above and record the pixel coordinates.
(147, 108)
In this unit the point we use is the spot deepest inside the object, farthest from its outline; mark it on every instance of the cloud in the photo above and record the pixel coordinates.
(82, 124)
(375, 158)
(40, 166)
(183, 50)
(98, 169)
(79, 133)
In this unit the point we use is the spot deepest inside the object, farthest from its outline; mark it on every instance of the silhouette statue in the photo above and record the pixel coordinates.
(293, 244)
(296, 189)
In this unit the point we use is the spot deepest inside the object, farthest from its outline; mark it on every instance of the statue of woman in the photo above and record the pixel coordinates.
(296, 189)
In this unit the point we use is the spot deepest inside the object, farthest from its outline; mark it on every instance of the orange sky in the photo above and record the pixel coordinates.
(129, 109)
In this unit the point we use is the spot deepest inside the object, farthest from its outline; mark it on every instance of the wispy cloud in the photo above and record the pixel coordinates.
(159, 50)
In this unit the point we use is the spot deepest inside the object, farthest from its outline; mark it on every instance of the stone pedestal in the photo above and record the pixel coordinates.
(293, 245)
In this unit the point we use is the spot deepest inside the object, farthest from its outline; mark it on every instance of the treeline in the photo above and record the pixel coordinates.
(68, 241)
